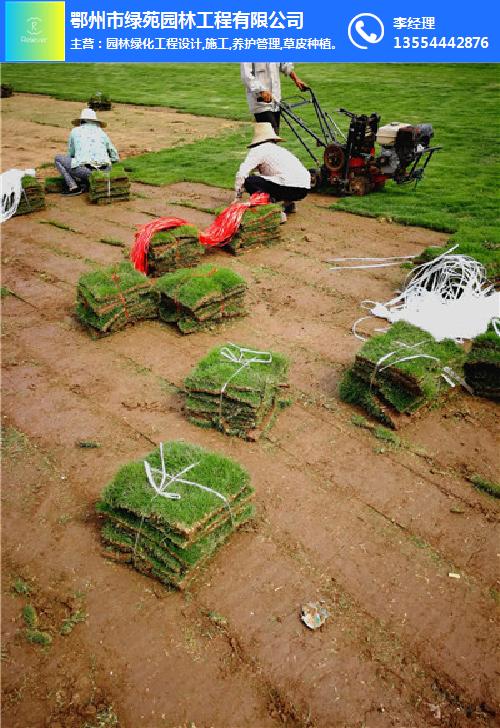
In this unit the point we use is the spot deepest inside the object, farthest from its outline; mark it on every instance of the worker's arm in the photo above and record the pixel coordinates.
(71, 143)
(300, 84)
(113, 154)
(251, 162)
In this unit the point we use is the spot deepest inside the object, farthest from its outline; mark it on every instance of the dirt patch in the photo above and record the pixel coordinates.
(373, 528)
(36, 128)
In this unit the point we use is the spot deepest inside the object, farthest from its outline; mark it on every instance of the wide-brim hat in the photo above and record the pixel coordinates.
(264, 132)
(88, 115)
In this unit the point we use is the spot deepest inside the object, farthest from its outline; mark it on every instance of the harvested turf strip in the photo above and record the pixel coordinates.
(166, 538)
(99, 102)
(110, 298)
(32, 196)
(54, 184)
(482, 366)
(401, 368)
(260, 225)
(172, 249)
(236, 399)
(195, 298)
(109, 186)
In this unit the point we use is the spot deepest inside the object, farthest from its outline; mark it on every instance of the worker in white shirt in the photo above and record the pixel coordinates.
(262, 82)
(280, 173)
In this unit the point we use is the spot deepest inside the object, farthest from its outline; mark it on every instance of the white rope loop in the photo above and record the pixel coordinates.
(245, 357)
(11, 190)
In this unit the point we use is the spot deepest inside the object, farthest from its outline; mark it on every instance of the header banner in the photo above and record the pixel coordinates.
(279, 30)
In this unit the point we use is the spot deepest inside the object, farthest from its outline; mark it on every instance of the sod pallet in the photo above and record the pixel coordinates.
(32, 196)
(106, 187)
(170, 250)
(236, 399)
(400, 372)
(110, 298)
(482, 366)
(100, 102)
(171, 539)
(260, 225)
(197, 298)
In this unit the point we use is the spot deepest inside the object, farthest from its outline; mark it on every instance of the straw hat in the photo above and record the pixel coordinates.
(88, 115)
(264, 132)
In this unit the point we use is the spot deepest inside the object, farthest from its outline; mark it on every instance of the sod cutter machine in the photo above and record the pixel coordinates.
(348, 164)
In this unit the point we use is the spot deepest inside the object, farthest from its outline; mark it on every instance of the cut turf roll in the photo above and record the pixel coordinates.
(482, 366)
(172, 249)
(54, 185)
(170, 528)
(110, 298)
(110, 186)
(197, 298)
(32, 196)
(260, 225)
(400, 371)
(236, 390)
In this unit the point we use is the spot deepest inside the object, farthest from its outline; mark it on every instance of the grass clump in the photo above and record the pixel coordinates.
(378, 381)
(30, 616)
(32, 633)
(486, 486)
(21, 587)
(236, 399)
(167, 538)
(196, 298)
(172, 249)
(70, 622)
(482, 366)
(110, 298)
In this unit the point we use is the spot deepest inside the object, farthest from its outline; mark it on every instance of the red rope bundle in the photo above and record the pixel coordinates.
(220, 231)
(139, 252)
(228, 222)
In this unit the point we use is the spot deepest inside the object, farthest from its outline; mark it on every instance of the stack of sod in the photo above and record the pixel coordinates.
(32, 196)
(54, 184)
(482, 366)
(380, 376)
(175, 248)
(238, 399)
(110, 298)
(260, 225)
(109, 186)
(171, 539)
(6, 91)
(100, 102)
(196, 298)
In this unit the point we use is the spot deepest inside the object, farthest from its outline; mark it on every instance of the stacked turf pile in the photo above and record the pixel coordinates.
(110, 298)
(171, 539)
(54, 184)
(109, 186)
(6, 91)
(172, 249)
(260, 225)
(196, 298)
(385, 378)
(482, 366)
(100, 102)
(232, 393)
(32, 196)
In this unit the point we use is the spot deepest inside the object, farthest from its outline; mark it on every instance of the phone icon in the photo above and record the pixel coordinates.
(356, 30)
(369, 37)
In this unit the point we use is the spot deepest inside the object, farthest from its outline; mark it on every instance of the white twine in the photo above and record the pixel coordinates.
(11, 190)
(377, 262)
(245, 357)
(449, 297)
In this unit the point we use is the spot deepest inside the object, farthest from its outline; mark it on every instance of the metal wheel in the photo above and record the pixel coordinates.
(334, 157)
(316, 178)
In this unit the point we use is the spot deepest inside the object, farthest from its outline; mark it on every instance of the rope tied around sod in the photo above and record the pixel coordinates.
(167, 525)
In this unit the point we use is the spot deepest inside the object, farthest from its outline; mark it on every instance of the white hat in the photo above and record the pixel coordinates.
(88, 115)
(264, 132)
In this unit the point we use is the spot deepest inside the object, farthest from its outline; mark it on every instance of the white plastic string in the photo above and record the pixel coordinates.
(11, 190)
(449, 297)
(392, 257)
(245, 358)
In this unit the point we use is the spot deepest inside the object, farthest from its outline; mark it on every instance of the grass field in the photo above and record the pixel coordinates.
(458, 194)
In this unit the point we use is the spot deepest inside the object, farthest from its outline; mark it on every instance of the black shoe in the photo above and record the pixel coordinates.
(289, 208)
(72, 192)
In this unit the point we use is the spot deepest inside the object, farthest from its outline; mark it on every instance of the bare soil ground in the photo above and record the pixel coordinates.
(373, 529)
(35, 128)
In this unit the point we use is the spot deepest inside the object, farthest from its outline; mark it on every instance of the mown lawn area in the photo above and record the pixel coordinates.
(458, 195)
